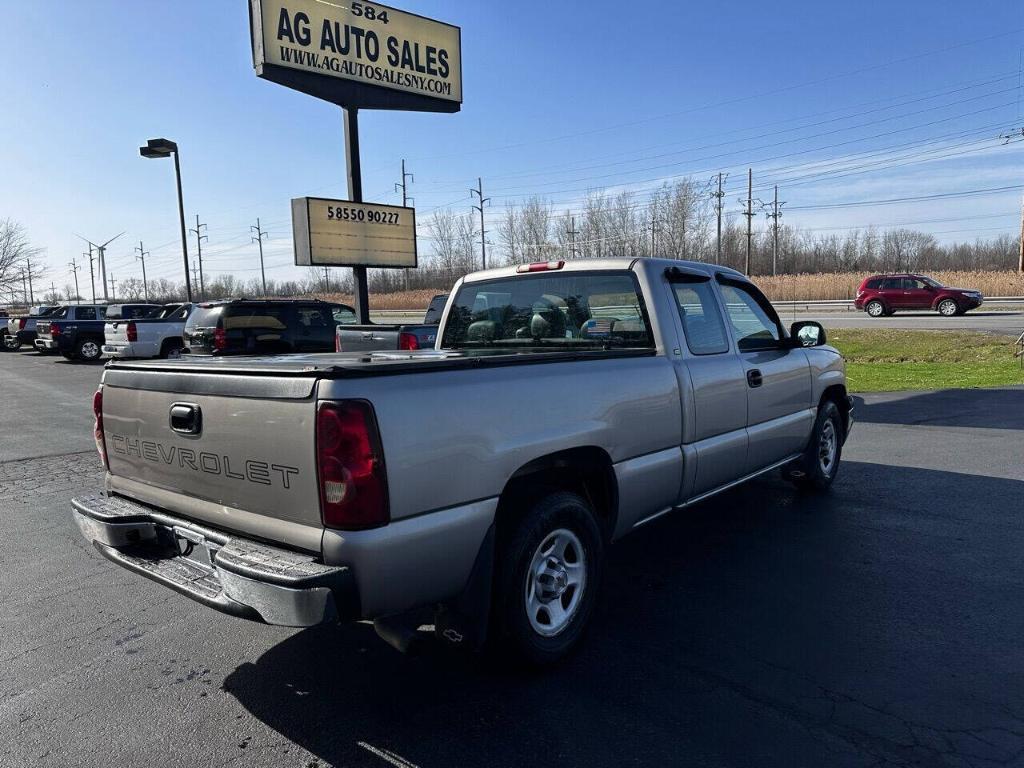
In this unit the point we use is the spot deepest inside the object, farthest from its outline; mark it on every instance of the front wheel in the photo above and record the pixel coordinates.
(548, 571)
(948, 308)
(819, 465)
(874, 309)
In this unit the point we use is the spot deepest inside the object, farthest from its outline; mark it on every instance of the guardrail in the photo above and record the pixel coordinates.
(846, 304)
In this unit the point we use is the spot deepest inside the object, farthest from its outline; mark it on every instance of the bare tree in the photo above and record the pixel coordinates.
(16, 259)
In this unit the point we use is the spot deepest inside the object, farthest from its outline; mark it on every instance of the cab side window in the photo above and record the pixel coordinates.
(702, 320)
(85, 313)
(753, 320)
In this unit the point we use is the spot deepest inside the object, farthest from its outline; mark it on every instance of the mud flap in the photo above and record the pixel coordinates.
(463, 622)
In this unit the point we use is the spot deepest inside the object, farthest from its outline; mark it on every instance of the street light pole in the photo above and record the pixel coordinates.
(156, 148)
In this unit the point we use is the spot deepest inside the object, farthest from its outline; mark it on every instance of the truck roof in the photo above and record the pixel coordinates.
(619, 263)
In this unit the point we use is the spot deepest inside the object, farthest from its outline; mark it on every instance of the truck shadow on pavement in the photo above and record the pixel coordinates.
(765, 627)
(1001, 408)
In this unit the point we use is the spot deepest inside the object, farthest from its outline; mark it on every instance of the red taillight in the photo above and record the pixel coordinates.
(353, 486)
(408, 341)
(21, 323)
(97, 429)
(220, 338)
(133, 332)
(54, 329)
(540, 266)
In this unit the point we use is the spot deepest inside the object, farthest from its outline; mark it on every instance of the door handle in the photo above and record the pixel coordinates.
(754, 378)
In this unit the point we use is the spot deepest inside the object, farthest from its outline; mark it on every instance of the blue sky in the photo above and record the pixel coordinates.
(560, 98)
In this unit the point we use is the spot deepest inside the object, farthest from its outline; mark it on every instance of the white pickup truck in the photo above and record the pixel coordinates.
(159, 335)
(564, 406)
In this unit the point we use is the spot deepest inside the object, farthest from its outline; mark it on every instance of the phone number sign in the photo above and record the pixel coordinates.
(340, 233)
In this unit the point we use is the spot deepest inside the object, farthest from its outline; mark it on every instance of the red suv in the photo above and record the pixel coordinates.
(881, 295)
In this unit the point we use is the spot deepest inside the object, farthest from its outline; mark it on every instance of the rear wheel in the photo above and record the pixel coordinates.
(12, 343)
(819, 465)
(948, 308)
(874, 308)
(88, 350)
(171, 349)
(548, 571)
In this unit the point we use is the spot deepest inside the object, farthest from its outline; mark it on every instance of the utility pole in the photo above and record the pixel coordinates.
(403, 185)
(775, 214)
(572, 232)
(479, 192)
(654, 230)
(113, 287)
(327, 281)
(74, 270)
(142, 257)
(24, 289)
(260, 234)
(195, 277)
(718, 211)
(92, 274)
(749, 213)
(199, 247)
(31, 293)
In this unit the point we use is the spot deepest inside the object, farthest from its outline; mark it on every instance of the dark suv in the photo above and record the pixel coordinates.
(264, 327)
(881, 295)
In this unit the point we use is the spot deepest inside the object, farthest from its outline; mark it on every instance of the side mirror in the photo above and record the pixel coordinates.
(807, 333)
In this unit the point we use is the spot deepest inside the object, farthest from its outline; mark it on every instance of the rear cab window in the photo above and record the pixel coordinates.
(567, 310)
(703, 327)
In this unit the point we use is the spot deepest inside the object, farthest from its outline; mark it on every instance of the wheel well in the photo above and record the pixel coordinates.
(172, 342)
(586, 470)
(837, 394)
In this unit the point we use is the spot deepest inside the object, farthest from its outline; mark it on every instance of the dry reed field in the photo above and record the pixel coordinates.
(844, 285)
(780, 288)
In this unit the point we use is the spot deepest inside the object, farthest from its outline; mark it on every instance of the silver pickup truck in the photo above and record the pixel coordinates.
(483, 479)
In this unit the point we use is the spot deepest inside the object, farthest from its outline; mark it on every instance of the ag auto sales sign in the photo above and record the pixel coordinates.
(358, 54)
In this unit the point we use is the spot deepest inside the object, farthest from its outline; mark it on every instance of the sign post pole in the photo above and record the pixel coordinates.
(355, 194)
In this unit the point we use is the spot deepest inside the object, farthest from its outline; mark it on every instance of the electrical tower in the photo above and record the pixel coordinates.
(199, 249)
(404, 186)
(260, 234)
(572, 232)
(718, 212)
(749, 213)
(74, 271)
(479, 192)
(143, 253)
(774, 213)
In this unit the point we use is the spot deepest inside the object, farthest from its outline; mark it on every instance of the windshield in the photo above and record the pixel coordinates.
(570, 310)
(933, 283)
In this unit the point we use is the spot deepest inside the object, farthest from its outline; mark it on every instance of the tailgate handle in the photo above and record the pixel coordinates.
(186, 418)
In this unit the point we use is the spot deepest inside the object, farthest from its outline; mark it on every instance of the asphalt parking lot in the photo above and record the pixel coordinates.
(878, 625)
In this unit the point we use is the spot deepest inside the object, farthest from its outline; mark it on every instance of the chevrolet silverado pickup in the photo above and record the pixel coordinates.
(22, 330)
(76, 331)
(159, 335)
(564, 406)
(378, 336)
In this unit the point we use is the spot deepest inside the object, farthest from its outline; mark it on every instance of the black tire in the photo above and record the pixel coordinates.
(11, 343)
(88, 350)
(948, 308)
(875, 308)
(171, 348)
(516, 589)
(811, 471)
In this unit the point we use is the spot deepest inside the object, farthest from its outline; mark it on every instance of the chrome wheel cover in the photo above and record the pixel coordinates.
(555, 582)
(828, 448)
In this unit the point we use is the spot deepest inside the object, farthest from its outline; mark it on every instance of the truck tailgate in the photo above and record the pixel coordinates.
(116, 332)
(233, 450)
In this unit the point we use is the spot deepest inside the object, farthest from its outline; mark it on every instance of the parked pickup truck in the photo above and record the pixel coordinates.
(376, 336)
(76, 331)
(158, 335)
(22, 330)
(484, 479)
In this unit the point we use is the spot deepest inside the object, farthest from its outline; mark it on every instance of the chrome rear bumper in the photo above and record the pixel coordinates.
(223, 571)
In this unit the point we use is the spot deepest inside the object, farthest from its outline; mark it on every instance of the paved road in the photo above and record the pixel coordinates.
(994, 321)
(880, 625)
